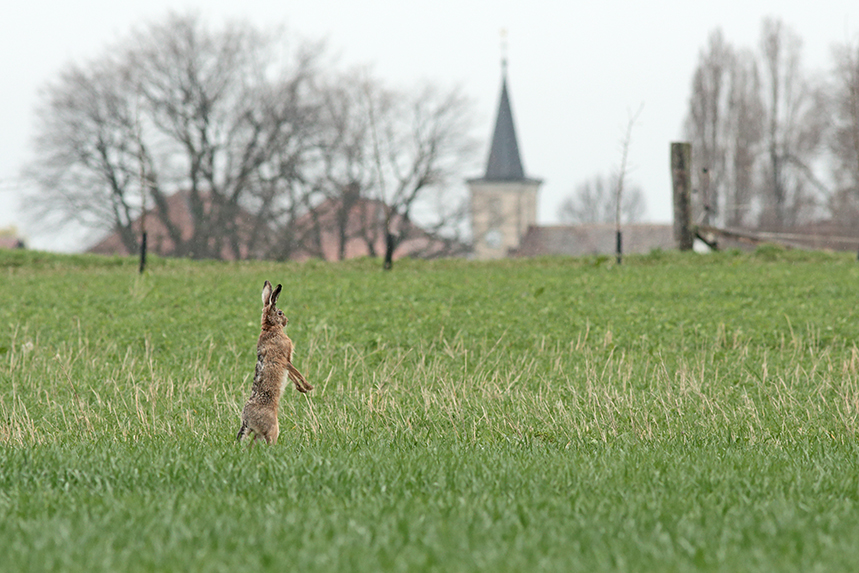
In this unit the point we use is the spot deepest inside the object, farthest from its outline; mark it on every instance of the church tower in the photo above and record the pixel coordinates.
(504, 200)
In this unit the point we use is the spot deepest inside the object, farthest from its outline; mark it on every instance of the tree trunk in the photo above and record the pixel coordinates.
(390, 245)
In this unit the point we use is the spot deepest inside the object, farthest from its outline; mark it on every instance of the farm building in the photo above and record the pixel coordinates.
(328, 231)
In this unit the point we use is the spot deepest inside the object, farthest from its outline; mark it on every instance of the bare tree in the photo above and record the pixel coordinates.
(420, 141)
(87, 162)
(756, 122)
(708, 122)
(210, 99)
(745, 133)
(844, 138)
(345, 173)
(724, 126)
(622, 172)
(793, 129)
(594, 201)
(330, 179)
(196, 111)
(386, 158)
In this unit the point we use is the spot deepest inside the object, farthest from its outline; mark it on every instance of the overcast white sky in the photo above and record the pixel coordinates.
(577, 70)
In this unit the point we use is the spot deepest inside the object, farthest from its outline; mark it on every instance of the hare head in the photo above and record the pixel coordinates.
(271, 315)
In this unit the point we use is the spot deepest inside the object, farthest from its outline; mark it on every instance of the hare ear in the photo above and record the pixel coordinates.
(276, 294)
(266, 293)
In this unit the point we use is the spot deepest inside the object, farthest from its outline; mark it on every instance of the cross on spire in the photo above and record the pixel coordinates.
(503, 52)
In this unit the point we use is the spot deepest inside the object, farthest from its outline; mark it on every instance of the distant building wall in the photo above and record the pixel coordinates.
(595, 239)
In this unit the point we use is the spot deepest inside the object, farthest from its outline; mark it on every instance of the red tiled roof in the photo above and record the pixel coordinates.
(364, 219)
(10, 242)
(158, 238)
(364, 224)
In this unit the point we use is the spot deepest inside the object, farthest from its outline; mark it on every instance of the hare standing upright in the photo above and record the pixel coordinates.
(274, 366)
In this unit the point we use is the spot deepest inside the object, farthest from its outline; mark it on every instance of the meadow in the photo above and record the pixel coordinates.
(677, 413)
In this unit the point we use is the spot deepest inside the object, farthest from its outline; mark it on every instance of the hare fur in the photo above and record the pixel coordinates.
(273, 369)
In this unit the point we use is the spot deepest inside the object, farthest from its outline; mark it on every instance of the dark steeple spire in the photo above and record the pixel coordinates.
(504, 163)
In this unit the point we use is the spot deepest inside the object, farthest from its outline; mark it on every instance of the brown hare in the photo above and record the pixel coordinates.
(274, 367)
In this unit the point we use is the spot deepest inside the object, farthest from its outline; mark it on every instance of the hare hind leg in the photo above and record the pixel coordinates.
(267, 435)
(271, 435)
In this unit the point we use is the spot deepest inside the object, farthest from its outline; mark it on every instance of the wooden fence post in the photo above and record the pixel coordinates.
(681, 180)
(142, 266)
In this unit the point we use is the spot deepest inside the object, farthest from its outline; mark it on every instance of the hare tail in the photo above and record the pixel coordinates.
(300, 383)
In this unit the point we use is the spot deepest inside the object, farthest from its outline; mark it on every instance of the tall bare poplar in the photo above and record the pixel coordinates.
(793, 130)
(844, 137)
(756, 121)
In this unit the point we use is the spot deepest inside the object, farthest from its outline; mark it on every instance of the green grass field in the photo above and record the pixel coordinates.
(677, 413)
